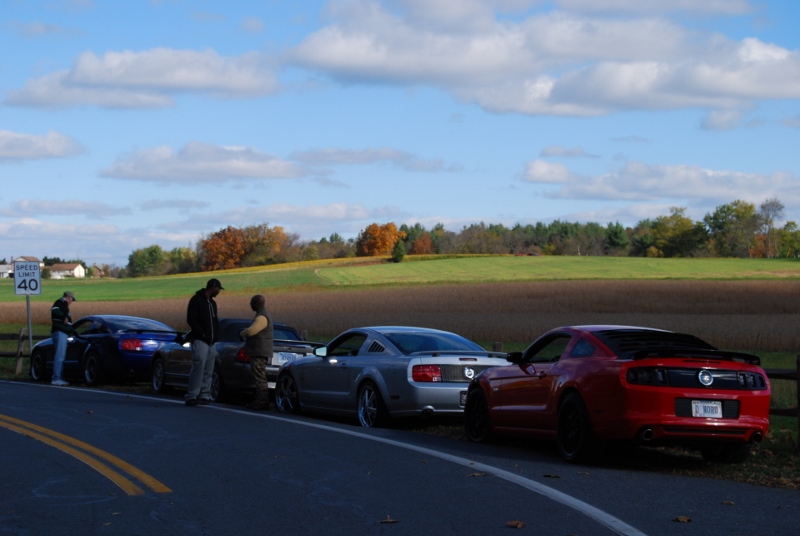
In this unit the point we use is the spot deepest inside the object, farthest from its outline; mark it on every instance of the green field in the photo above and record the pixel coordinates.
(370, 272)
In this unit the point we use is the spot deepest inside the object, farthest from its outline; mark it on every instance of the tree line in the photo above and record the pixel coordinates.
(736, 229)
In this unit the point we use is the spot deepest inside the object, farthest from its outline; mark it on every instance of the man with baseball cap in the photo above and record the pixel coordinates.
(201, 315)
(60, 329)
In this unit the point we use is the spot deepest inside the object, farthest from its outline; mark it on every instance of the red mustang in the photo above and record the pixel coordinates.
(581, 384)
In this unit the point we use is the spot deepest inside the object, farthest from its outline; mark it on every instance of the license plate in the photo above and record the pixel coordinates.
(463, 399)
(285, 357)
(707, 408)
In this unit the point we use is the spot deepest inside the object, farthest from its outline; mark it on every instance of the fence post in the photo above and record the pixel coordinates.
(497, 346)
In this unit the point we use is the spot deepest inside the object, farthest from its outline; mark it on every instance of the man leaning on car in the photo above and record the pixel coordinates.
(201, 315)
(259, 346)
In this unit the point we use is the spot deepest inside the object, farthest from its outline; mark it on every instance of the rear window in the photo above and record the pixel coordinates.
(409, 343)
(285, 334)
(627, 342)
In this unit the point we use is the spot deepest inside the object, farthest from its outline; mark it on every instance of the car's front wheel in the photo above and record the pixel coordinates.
(38, 368)
(92, 369)
(371, 410)
(286, 395)
(726, 453)
(477, 423)
(158, 377)
(574, 434)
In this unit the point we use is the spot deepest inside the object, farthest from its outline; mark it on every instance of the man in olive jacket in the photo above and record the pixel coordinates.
(201, 315)
(259, 346)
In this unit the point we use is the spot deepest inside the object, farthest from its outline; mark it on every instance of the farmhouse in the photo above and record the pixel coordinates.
(6, 270)
(61, 271)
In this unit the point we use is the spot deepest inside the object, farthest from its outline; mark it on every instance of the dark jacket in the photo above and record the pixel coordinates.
(260, 344)
(201, 315)
(60, 319)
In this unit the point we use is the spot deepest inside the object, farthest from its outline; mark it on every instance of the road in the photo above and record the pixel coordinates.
(86, 461)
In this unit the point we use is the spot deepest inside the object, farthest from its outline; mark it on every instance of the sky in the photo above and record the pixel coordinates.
(125, 123)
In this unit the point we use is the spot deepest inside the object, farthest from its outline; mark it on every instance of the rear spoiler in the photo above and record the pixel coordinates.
(435, 353)
(724, 355)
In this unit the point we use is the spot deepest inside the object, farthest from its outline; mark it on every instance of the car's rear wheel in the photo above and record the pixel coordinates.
(217, 386)
(726, 453)
(159, 377)
(287, 399)
(38, 367)
(371, 409)
(477, 423)
(574, 435)
(92, 369)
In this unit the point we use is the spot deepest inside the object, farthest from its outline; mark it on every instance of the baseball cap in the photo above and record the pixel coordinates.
(69, 294)
(214, 283)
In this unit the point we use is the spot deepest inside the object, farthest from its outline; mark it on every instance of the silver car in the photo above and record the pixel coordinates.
(374, 373)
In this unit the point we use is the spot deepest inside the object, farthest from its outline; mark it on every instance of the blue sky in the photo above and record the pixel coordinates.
(130, 123)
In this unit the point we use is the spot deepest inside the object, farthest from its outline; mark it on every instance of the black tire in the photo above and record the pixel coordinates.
(38, 367)
(477, 423)
(218, 393)
(726, 453)
(158, 377)
(370, 407)
(574, 435)
(287, 399)
(92, 369)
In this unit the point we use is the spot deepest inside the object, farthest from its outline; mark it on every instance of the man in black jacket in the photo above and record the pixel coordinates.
(60, 330)
(201, 315)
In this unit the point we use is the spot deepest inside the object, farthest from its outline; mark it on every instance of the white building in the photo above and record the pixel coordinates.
(61, 271)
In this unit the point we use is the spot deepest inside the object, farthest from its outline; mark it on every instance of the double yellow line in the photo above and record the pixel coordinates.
(62, 442)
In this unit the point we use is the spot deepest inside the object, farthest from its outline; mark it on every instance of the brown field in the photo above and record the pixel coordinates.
(743, 315)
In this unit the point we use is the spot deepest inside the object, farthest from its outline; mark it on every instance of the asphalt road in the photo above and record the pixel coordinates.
(85, 461)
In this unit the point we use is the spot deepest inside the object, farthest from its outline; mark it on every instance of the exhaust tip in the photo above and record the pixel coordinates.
(427, 412)
(758, 437)
(646, 434)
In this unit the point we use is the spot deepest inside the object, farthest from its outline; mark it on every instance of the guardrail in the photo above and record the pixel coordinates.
(22, 340)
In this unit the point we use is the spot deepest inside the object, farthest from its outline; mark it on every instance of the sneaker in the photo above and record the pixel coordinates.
(60, 383)
(191, 402)
(204, 401)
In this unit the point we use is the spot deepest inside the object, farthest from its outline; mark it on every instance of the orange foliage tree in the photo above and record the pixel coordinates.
(377, 239)
(222, 250)
(423, 245)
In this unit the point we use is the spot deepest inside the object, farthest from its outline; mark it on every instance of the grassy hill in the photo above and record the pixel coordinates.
(423, 270)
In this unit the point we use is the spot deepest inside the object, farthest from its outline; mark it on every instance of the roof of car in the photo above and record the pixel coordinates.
(401, 329)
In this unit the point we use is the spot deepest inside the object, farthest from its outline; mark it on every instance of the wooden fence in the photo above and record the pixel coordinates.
(23, 349)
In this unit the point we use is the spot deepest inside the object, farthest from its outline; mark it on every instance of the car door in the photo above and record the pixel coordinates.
(525, 389)
(325, 379)
(76, 346)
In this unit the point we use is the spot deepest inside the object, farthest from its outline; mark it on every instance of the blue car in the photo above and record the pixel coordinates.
(108, 347)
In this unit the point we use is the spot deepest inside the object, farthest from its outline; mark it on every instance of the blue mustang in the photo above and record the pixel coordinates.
(107, 347)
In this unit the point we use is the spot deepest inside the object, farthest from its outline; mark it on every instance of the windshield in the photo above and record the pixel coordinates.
(409, 343)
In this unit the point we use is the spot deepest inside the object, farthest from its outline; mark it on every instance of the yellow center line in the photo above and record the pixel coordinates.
(30, 430)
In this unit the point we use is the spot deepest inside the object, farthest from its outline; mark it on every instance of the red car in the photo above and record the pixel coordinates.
(584, 384)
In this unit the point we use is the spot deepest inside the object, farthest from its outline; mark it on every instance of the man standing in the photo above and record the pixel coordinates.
(60, 329)
(259, 346)
(201, 315)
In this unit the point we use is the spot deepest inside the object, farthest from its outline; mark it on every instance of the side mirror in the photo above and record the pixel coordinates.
(514, 357)
(322, 351)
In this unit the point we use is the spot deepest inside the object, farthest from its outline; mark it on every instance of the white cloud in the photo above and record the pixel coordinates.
(540, 171)
(15, 146)
(559, 151)
(722, 120)
(558, 62)
(723, 7)
(200, 162)
(181, 205)
(637, 181)
(66, 207)
(147, 79)
(252, 25)
(400, 159)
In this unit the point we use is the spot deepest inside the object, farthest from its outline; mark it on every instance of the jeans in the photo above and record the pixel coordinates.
(204, 357)
(60, 345)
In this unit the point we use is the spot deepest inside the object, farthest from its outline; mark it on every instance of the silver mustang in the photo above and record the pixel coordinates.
(379, 372)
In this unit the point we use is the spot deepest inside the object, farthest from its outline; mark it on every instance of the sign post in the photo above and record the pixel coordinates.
(27, 281)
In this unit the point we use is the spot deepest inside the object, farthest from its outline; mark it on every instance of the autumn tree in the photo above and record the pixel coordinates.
(377, 239)
(222, 250)
(423, 245)
(732, 228)
(770, 211)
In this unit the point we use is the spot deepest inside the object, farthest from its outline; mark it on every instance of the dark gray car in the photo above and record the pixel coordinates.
(171, 365)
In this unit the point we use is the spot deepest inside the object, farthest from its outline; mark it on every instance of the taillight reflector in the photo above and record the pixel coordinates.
(426, 373)
(131, 345)
(242, 357)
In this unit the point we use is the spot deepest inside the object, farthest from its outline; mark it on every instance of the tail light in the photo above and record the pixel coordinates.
(426, 373)
(242, 356)
(131, 345)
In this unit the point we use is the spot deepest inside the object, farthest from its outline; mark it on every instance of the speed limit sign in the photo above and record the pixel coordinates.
(27, 278)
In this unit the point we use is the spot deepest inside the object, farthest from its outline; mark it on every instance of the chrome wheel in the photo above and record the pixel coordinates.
(286, 398)
(371, 411)
(477, 423)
